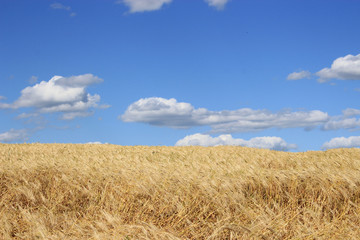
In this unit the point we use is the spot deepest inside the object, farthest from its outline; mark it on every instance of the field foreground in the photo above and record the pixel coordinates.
(73, 191)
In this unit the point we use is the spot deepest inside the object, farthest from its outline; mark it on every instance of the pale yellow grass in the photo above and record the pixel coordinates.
(67, 191)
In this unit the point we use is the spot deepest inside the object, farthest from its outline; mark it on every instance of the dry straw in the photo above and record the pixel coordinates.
(67, 191)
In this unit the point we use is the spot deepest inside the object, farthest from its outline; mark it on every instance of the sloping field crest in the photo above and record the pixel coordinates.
(82, 191)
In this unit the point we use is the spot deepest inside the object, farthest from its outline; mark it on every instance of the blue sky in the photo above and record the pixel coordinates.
(276, 74)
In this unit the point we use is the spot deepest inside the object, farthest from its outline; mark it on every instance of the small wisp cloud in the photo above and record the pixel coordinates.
(218, 4)
(299, 75)
(154, 5)
(59, 6)
(143, 5)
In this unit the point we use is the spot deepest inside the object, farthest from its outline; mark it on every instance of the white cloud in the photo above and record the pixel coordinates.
(14, 135)
(170, 113)
(350, 112)
(275, 143)
(60, 6)
(143, 5)
(78, 81)
(72, 115)
(345, 121)
(75, 106)
(298, 75)
(342, 142)
(342, 123)
(219, 4)
(4, 105)
(161, 112)
(27, 115)
(56, 92)
(60, 94)
(344, 68)
(262, 119)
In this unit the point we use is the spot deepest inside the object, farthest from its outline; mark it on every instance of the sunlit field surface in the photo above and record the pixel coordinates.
(73, 191)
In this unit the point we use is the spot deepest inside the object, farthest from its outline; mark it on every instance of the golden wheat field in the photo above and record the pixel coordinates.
(82, 191)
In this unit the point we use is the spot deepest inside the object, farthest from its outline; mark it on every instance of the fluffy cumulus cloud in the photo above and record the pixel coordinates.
(344, 68)
(60, 94)
(161, 112)
(170, 113)
(298, 75)
(143, 5)
(14, 135)
(342, 142)
(218, 4)
(275, 143)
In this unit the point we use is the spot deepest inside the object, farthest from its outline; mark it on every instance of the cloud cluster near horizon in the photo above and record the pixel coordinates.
(14, 135)
(66, 95)
(273, 143)
(342, 142)
(153, 5)
(96, 142)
